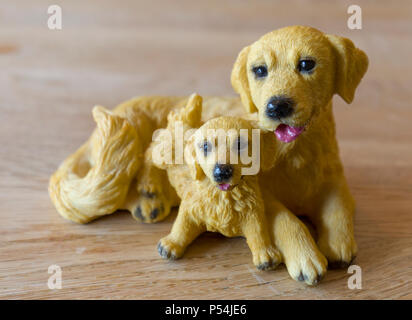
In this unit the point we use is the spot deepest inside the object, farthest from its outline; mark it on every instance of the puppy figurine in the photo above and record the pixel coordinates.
(215, 196)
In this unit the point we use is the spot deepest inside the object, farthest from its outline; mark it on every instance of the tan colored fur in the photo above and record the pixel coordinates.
(236, 212)
(79, 188)
(308, 176)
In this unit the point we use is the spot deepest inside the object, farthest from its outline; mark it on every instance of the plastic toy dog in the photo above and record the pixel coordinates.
(215, 195)
(288, 77)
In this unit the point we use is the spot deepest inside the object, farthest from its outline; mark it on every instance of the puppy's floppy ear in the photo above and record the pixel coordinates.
(351, 65)
(196, 170)
(240, 81)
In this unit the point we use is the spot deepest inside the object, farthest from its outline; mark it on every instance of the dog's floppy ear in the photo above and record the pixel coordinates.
(240, 81)
(196, 170)
(351, 65)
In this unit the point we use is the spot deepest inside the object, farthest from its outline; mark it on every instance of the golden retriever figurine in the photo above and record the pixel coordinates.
(215, 195)
(287, 78)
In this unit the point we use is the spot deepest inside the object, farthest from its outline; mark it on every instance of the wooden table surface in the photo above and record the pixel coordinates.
(109, 51)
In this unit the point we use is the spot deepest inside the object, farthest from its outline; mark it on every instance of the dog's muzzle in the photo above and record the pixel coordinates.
(222, 172)
(279, 107)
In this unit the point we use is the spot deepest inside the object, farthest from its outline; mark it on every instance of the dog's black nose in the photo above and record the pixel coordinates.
(279, 107)
(222, 172)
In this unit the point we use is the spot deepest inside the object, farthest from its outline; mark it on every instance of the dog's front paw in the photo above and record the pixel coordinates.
(308, 265)
(267, 259)
(339, 250)
(151, 207)
(169, 249)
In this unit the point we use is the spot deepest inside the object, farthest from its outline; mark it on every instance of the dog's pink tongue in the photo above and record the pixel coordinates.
(224, 186)
(287, 133)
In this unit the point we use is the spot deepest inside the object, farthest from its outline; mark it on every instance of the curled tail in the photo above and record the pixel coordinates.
(94, 181)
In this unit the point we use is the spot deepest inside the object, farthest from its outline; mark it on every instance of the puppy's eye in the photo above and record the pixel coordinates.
(240, 145)
(306, 65)
(206, 146)
(260, 71)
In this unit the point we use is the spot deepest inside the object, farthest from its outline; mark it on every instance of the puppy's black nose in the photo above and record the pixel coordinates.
(279, 107)
(222, 172)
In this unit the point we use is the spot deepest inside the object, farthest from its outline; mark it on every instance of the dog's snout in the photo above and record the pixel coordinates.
(222, 172)
(279, 107)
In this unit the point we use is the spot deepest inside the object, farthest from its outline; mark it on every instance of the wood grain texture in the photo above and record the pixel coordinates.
(109, 51)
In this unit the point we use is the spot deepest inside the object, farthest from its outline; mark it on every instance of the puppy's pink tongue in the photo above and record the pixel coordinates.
(224, 186)
(287, 133)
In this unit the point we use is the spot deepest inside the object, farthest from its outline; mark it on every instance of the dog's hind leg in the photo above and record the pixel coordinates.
(151, 197)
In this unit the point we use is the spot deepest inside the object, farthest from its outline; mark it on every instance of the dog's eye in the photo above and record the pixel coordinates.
(206, 147)
(260, 71)
(306, 65)
(240, 145)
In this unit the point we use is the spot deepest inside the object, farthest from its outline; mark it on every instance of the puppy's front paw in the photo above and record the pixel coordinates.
(339, 250)
(308, 265)
(168, 249)
(267, 259)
